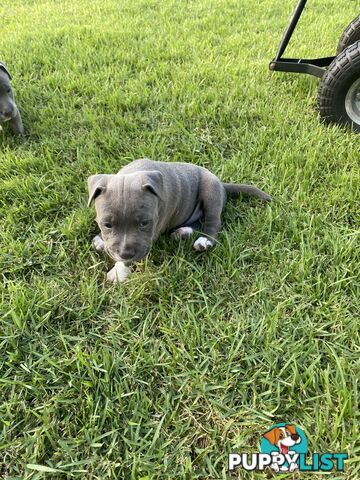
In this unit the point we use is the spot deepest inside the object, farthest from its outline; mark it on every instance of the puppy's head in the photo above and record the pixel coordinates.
(283, 437)
(7, 102)
(127, 212)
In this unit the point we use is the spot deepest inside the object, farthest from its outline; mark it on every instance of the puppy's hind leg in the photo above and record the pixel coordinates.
(213, 200)
(98, 243)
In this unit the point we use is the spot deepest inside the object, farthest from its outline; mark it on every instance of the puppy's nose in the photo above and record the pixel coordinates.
(127, 253)
(295, 436)
(6, 112)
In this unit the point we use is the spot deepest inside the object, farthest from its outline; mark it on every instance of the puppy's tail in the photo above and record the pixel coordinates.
(236, 188)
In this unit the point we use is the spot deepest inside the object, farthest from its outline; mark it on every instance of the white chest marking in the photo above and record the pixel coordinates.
(119, 273)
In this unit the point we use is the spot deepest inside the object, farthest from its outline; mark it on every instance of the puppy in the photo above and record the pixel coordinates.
(8, 110)
(147, 198)
(283, 438)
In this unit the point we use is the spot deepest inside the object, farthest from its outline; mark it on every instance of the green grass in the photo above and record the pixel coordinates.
(197, 355)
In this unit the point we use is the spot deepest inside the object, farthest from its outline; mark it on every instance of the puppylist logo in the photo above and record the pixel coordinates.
(284, 448)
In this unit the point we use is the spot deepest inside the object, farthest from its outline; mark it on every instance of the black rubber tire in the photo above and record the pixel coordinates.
(350, 35)
(343, 71)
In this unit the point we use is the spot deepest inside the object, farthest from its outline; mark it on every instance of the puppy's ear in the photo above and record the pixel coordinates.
(96, 185)
(4, 69)
(291, 428)
(272, 436)
(153, 181)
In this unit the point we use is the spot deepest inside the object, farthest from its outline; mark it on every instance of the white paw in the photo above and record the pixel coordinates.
(118, 274)
(98, 243)
(275, 467)
(182, 233)
(293, 467)
(202, 243)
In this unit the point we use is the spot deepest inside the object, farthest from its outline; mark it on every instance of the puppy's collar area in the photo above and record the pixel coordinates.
(4, 69)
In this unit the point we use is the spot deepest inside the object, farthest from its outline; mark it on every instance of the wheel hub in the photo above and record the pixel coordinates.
(352, 102)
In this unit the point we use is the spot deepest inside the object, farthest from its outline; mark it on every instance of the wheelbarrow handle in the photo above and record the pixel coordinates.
(289, 31)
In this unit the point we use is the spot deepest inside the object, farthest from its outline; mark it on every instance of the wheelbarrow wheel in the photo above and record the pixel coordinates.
(339, 90)
(350, 35)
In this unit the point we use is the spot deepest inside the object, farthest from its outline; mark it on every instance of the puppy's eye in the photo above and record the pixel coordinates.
(144, 223)
(107, 225)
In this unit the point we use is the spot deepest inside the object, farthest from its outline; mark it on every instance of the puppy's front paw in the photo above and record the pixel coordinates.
(202, 243)
(183, 233)
(284, 468)
(98, 244)
(118, 274)
(293, 467)
(275, 467)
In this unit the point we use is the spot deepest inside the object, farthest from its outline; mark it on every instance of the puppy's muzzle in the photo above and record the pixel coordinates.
(6, 113)
(127, 253)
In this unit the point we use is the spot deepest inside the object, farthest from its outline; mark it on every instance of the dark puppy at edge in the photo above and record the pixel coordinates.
(8, 109)
(147, 198)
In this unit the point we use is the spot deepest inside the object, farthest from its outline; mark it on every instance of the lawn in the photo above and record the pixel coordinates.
(197, 354)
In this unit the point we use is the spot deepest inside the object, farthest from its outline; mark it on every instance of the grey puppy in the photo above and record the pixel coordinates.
(147, 198)
(8, 109)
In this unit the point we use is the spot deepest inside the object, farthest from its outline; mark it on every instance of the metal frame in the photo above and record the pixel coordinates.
(312, 66)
